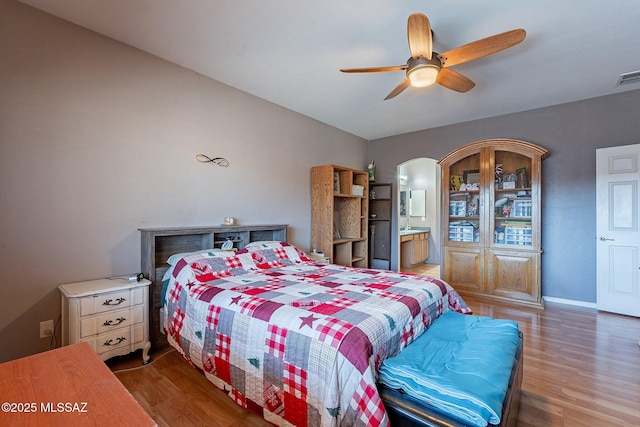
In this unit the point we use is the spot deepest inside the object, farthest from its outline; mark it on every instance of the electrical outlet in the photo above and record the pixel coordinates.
(46, 328)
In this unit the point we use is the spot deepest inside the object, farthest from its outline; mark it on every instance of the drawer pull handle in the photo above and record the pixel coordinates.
(109, 343)
(111, 323)
(118, 301)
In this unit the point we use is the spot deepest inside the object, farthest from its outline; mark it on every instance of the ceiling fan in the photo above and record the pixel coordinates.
(426, 67)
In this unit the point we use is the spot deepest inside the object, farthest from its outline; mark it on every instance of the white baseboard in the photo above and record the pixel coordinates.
(570, 302)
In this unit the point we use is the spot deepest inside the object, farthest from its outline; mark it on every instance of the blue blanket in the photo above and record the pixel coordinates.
(460, 366)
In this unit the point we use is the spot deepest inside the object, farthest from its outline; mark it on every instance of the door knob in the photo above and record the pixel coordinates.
(604, 239)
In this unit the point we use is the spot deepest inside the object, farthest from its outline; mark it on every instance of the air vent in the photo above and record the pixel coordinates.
(628, 78)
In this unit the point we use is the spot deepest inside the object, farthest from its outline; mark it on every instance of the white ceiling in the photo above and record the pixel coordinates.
(289, 52)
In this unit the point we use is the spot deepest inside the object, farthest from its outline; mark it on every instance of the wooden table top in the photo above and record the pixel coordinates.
(66, 386)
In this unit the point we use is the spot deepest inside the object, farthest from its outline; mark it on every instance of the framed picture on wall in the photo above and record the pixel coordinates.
(403, 203)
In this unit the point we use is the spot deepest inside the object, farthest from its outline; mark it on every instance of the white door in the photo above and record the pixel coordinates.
(618, 238)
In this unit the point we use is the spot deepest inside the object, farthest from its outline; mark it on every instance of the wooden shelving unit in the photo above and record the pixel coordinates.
(380, 225)
(491, 230)
(339, 218)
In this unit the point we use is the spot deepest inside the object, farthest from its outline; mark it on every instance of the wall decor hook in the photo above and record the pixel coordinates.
(220, 161)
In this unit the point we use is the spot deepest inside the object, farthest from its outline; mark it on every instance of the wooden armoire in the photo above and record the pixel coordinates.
(491, 193)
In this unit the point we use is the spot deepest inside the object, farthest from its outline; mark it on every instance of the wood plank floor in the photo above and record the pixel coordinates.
(424, 269)
(581, 368)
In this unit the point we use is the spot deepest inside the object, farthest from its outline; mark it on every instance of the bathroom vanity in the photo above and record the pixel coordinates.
(414, 246)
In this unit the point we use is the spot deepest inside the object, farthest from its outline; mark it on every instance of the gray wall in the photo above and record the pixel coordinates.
(98, 139)
(572, 133)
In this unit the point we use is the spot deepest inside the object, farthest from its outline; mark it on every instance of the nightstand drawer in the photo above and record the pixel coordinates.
(122, 338)
(111, 320)
(111, 301)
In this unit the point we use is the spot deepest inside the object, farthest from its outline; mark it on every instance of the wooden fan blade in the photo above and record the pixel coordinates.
(419, 35)
(402, 86)
(482, 47)
(374, 69)
(454, 80)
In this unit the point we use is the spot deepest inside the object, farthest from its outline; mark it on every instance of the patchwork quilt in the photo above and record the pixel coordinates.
(295, 341)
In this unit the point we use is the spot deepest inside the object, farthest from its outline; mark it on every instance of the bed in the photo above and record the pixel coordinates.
(296, 341)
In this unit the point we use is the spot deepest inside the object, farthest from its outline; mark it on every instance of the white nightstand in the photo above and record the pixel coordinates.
(111, 315)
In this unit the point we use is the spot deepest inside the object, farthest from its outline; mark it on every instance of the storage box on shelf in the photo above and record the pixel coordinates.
(522, 208)
(339, 217)
(357, 190)
(492, 248)
(462, 232)
(457, 208)
(517, 234)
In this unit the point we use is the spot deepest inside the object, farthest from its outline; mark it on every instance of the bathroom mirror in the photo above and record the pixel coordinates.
(418, 203)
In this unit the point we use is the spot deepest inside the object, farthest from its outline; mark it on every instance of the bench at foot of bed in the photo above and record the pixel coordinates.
(411, 410)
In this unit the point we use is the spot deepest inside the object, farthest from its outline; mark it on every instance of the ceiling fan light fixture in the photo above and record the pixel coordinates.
(423, 75)
(423, 72)
(424, 66)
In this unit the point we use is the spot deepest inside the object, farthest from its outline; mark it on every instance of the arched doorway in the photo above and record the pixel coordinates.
(419, 196)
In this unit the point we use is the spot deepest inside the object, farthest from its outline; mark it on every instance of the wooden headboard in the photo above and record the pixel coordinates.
(157, 244)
